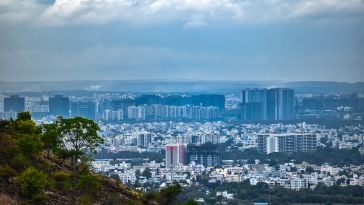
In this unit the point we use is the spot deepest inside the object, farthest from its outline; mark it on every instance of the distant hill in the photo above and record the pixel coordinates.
(179, 86)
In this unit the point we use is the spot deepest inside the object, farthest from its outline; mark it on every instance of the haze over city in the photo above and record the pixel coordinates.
(57, 40)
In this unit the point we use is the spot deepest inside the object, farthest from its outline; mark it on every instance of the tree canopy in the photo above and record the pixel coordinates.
(78, 134)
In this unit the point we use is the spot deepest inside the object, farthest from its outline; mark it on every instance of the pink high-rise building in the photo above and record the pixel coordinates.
(175, 154)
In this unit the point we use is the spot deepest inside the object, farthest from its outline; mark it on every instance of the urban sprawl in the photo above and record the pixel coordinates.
(153, 140)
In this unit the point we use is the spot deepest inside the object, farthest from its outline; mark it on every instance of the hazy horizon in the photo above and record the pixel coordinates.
(181, 80)
(152, 86)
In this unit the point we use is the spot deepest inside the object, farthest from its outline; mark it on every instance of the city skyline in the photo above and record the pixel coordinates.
(182, 102)
(63, 40)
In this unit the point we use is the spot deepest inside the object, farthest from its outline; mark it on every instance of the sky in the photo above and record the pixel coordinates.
(240, 40)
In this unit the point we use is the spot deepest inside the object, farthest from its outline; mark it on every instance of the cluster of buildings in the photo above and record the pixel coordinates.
(330, 107)
(171, 112)
(113, 115)
(118, 108)
(186, 133)
(265, 138)
(288, 175)
(191, 151)
(250, 105)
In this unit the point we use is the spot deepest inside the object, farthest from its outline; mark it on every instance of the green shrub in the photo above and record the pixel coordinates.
(32, 183)
(89, 184)
(30, 144)
(8, 146)
(62, 175)
(20, 162)
(83, 168)
(62, 180)
(25, 124)
(169, 194)
(85, 199)
(7, 172)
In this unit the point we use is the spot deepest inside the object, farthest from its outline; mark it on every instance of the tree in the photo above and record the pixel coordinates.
(25, 124)
(78, 136)
(309, 170)
(137, 173)
(30, 144)
(32, 183)
(24, 116)
(50, 137)
(165, 196)
(9, 146)
(146, 173)
(169, 194)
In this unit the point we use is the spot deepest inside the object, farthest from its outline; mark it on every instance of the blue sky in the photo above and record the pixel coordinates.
(182, 39)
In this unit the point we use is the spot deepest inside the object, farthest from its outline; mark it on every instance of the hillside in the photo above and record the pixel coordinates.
(107, 192)
(36, 167)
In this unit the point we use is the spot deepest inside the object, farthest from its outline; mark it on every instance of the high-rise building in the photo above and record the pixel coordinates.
(205, 138)
(137, 112)
(253, 111)
(83, 108)
(175, 155)
(144, 140)
(207, 154)
(14, 103)
(124, 104)
(267, 104)
(172, 112)
(106, 115)
(36, 105)
(112, 116)
(59, 106)
(254, 103)
(280, 104)
(1, 103)
(117, 115)
(287, 105)
(132, 112)
(287, 143)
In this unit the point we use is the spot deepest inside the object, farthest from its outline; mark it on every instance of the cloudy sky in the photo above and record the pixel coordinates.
(182, 39)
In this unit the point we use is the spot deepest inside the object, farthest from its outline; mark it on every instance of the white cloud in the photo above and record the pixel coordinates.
(18, 11)
(327, 8)
(190, 13)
